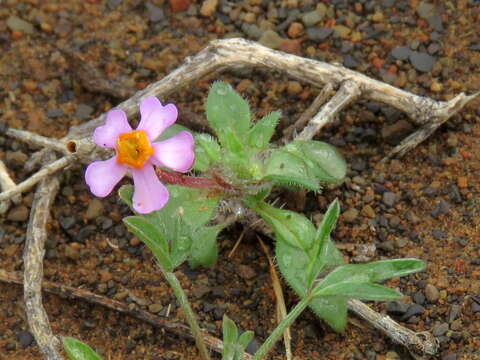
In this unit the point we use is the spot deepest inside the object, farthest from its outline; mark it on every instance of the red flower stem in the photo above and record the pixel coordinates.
(174, 178)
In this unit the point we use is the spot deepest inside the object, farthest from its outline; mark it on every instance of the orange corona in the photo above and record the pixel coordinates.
(134, 149)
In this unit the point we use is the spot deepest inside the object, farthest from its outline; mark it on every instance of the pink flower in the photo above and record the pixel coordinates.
(135, 152)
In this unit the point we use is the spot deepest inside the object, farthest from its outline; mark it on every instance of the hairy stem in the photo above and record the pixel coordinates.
(192, 321)
(280, 329)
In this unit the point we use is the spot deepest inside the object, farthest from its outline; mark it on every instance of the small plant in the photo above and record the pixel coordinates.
(240, 164)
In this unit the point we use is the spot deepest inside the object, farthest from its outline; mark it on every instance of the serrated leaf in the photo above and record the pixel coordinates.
(204, 250)
(361, 291)
(228, 115)
(373, 272)
(152, 237)
(320, 251)
(77, 350)
(261, 133)
(289, 226)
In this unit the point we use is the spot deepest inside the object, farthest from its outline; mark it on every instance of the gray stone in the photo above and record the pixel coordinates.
(401, 52)
(252, 31)
(18, 213)
(271, 39)
(55, 113)
(350, 62)
(155, 13)
(83, 111)
(425, 10)
(14, 23)
(440, 330)
(25, 338)
(422, 61)
(397, 308)
(113, 4)
(413, 310)
(319, 33)
(454, 313)
(312, 18)
(431, 293)
(389, 198)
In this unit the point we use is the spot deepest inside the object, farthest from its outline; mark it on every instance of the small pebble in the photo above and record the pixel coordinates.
(439, 330)
(312, 18)
(350, 215)
(431, 293)
(208, 8)
(413, 310)
(95, 209)
(318, 34)
(25, 338)
(18, 213)
(14, 23)
(271, 39)
(422, 61)
(389, 198)
(454, 312)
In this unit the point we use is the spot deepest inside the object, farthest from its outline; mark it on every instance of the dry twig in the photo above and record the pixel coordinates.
(33, 263)
(68, 292)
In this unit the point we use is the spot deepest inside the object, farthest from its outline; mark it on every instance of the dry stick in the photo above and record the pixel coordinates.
(281, 307)
(45, 172)
(224, 54)
(419, 344)
(37, 140)
(33, 264)
(308, 114)
(6, 183)
(68, 292)
(348, 92)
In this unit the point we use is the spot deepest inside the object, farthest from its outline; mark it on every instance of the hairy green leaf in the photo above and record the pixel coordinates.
(291, 227)
(230, 334)
(152, 237)
(361, 291)
(77, 350)
(228, 115)
(260, 134)
(204, 251)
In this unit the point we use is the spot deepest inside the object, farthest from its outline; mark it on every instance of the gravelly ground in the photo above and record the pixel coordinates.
(425, 205)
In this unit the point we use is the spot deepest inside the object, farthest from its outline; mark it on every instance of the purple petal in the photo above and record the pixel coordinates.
(116, 124)
(150, 194)
(155, 118)
(102, 176)
(176, 153)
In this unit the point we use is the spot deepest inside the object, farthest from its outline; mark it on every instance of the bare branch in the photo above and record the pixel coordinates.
(38, 176)
(309, 113)
(33, 274)
(37, 140)
(348, 92)
(419, 344)
(6, 183)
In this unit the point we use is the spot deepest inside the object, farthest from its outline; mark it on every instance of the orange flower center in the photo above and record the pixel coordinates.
(134, 148)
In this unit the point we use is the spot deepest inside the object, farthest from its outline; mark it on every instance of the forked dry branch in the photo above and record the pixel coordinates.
(218, 56)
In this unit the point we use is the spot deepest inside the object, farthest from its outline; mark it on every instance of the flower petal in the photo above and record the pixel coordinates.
(155, 117)
(116, 124)
(176, 153)
(102, 176)
(150, 194)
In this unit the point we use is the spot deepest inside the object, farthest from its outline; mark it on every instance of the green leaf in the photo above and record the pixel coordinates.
(332, 310)
(361, 291)
(323, 159)
(228, 115)
(291, 227)
(230, 334)
(126, 193)
(322, 251)
(152, 237)
(373, 272)
(293, 263)
(306, 163)
(260, 134)
(204, 249)
(207, 151)
(77, 350)
(287, 168)
(243, 341)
